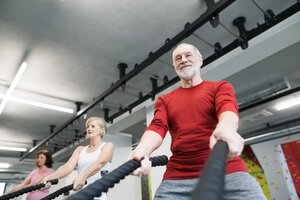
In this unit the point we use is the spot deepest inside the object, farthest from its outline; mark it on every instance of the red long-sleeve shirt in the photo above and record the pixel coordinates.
(191, 115)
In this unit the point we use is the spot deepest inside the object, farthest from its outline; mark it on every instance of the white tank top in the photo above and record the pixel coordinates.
(85, 160)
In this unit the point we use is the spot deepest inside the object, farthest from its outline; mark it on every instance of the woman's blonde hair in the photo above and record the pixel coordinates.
(100, 121)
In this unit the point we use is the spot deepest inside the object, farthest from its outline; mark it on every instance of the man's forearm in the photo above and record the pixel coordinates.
(149, 142)
(228, 119)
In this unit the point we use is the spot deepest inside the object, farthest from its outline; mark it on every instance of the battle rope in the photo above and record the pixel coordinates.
(26, 190)
(59, 192)
(102, 185)
(211, 183)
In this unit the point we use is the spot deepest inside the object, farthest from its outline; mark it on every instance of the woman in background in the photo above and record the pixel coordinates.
(43, 161)
(90, 160)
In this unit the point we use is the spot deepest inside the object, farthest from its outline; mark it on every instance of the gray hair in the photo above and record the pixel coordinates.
(100, 121)
(195, 48)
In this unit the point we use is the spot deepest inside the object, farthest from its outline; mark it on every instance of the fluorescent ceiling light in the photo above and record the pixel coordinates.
(4, 165)
(12, 148)
(288, 103)
(38, 104)
(8, 96)
(12, 86)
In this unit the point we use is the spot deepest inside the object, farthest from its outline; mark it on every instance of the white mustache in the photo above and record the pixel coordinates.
(185, 65)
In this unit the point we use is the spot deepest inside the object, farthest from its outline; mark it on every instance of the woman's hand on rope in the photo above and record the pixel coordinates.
(78, 183)
(46, 182)
(6, 193)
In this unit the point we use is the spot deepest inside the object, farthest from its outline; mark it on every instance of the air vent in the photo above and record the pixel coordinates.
(258, 116)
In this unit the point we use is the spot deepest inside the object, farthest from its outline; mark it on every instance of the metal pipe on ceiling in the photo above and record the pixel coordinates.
(230, 31)
(280, 86)
(273, 135)
(271, 98)
(261, 9)
(164, 62)
(199, 38)
(152, 76)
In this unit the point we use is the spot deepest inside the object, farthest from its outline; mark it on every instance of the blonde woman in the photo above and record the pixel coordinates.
(91, 159)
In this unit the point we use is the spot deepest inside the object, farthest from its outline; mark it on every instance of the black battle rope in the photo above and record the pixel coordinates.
(59, 192)
(211, 183)
(102, 185)
(26, 190)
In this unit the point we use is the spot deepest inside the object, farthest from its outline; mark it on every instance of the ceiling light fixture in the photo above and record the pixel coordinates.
(12, 148)
(4, 165)
(13, 86)
(38, 104)
(288, 103)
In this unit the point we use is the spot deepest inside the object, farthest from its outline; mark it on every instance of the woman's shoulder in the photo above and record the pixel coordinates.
(108, 146)
(80, 148)
(34, 171)
(50, 170)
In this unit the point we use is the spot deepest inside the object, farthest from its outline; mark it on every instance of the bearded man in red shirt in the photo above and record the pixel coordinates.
(197, 114)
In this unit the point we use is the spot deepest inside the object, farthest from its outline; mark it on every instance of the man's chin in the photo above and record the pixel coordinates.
(187, 77)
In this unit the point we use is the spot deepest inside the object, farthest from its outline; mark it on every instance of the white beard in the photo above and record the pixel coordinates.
(187, 73)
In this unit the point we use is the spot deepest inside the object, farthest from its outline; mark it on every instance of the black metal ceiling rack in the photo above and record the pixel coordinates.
(210, 15)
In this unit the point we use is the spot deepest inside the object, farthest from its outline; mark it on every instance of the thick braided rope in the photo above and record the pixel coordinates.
(102, 185)
(211, 183)
(26, 190)
(58, 192)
